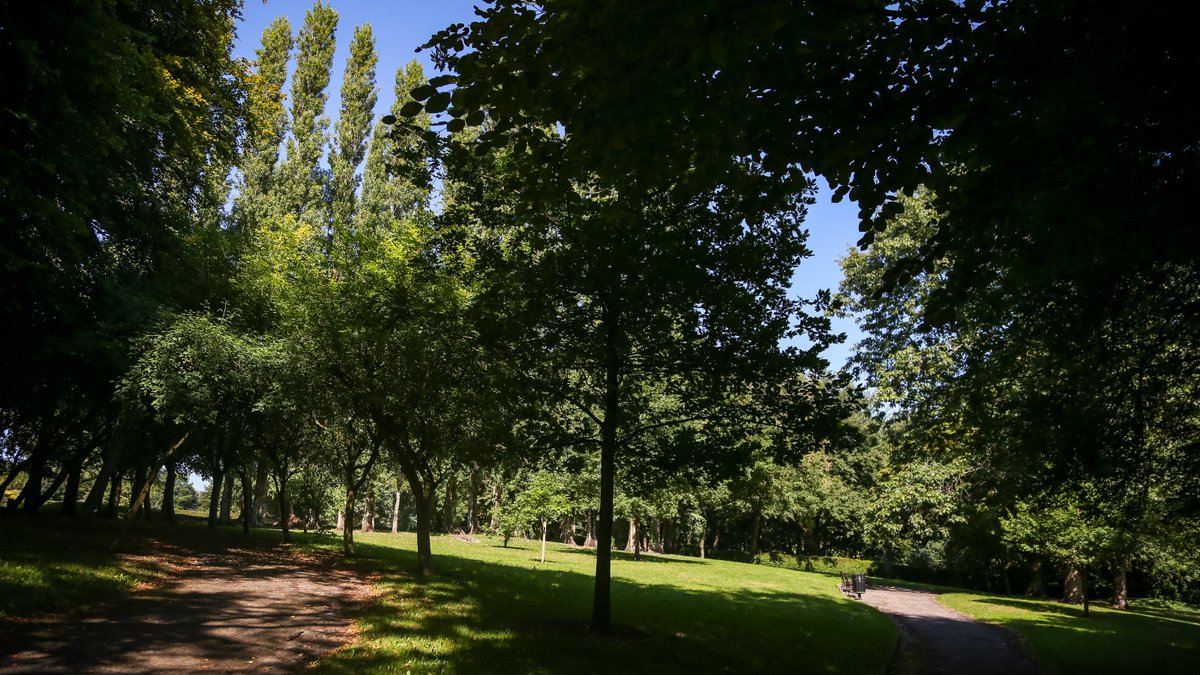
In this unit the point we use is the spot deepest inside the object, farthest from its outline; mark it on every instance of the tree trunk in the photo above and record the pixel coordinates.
(227, 501)
(341, 523)
(590, 540)
(30, 496)
(545, 526)
(95, 497)
(114, 495)
(168, 497)
(285, 506)
(1073, 590)
(214, 496)
(602, 596)
(755, 526)
(71, 494)
(567, 535)
(368, 517)
(716, 541)
(1037, 580)
(473, 504)
(396, 514)
(247, 501)
(55, 484)
(1120, 596)
(496, 491)
(631, 543)
(261, 486)
(703, 536)
(425, 497)
(449, 523)
(348, 530)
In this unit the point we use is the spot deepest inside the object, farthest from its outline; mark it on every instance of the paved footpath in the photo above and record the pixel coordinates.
(937, 639)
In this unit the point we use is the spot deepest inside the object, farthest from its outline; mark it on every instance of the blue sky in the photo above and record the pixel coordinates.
(403, 25)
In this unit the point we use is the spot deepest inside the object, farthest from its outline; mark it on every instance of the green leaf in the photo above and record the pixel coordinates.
(442, 80)
(475, 118)
(411, 109)
(388, 119)
(455, 125)
(437, 103)
(423, 92)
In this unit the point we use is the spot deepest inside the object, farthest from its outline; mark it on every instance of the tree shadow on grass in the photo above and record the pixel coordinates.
(478, 616)
(626, 555)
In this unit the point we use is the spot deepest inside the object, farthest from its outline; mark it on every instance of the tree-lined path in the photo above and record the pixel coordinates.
(264, 610)
(937, 639)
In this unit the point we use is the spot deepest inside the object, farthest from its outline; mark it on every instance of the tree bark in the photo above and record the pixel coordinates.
(227, 501)
(262, 476)
(247, 502)
(567, 535)
(71, 494)
(214, 495)
(590, 540)
(1037, 580)
(114, 494)
(168, 497)
(755, 526)
(703, 536)
(449, 522)
(545, 526)
(348, 530)
(473, 503)
(1120, 596)
(368, 516)
(396, 514)
(602, 596)
(30, 496)
(341, 523)
(631, 543)
(425, 497)
(285, 506)
(1073, 590)
(496, 491)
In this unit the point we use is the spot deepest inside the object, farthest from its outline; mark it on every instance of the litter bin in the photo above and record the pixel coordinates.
(859, 583)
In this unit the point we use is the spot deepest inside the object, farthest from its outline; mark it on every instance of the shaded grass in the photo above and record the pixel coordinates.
(496, 609)
(51, 564)
(1161, 641)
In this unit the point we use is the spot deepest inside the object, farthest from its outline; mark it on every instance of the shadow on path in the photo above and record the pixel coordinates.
(937, 639)
(239, 610)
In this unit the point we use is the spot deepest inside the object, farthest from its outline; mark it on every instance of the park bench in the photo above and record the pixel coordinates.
(850, 587)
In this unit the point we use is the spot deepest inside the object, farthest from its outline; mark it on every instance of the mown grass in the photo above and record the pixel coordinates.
(1138, 640)
(496, 609)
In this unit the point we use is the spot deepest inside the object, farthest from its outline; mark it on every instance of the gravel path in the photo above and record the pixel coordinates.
(232, 611)
(937, 639)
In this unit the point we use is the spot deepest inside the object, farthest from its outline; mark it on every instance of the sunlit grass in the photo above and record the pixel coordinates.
(60, 567)
(1161, 641)
(495, 609)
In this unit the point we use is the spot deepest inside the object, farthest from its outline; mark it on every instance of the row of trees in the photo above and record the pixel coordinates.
(374, 302)
(565, 268)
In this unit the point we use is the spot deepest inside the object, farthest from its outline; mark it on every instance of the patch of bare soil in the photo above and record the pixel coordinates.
(241, 610)
(937, 639)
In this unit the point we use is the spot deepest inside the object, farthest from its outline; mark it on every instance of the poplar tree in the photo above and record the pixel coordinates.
(305, 181)
(359, 95)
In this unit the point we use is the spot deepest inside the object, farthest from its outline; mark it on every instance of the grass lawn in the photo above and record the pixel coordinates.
(51, 564)
(1139, 640)
(495, 609)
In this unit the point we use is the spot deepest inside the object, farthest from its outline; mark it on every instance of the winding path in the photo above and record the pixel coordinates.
(937, 639)
(265, 610)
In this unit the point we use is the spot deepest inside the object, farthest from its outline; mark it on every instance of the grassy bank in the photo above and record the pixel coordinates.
(1138, 640)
